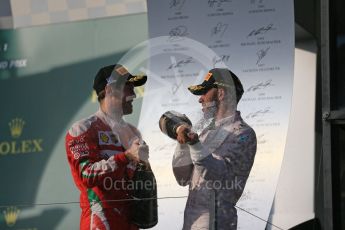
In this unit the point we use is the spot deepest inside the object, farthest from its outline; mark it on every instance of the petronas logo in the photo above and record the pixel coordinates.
(11, 215)
(16, 127)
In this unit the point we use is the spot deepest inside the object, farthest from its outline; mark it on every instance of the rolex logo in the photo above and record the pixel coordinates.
(16, 127)
(11, 215)
(17, 145)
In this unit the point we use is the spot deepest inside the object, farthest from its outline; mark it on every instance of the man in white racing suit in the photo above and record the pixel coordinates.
(215, 163)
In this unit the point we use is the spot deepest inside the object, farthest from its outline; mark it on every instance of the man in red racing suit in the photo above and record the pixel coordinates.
(103, 151)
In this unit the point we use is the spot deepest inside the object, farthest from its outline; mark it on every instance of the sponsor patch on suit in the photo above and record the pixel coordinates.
(108, 138)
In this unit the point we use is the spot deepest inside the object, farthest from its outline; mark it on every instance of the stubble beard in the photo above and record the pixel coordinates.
(209, 113)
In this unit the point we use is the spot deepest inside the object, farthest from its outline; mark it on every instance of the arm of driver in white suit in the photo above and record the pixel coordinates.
(235, 156)
(182, 164)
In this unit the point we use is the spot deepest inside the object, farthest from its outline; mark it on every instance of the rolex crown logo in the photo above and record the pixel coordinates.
(16, 127)
(11, 215)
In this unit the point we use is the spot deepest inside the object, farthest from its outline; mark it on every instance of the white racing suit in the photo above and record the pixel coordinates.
(216, 170)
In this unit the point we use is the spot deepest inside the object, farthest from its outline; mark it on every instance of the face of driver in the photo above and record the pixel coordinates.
(127, 99)
(119, 101)
(209, 103)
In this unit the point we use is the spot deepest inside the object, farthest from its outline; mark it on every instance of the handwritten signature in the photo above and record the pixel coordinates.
(217, 3)
(261, 54)
(175, 87)
(177, 4)
(261, 85)
(246, 196)
(181, 63)
(261, 139)
(219, 29)
(220, 59)
(258, 113)
(178, 33)
(261, 30)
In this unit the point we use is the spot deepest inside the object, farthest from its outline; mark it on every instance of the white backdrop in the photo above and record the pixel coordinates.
(255, 39)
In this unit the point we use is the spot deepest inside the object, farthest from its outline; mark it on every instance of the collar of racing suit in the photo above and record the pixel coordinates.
(109, 120)
(228, 119)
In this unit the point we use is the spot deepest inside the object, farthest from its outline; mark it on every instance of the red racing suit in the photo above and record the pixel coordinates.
(101, 172)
